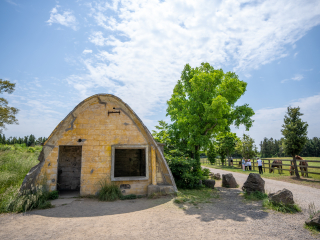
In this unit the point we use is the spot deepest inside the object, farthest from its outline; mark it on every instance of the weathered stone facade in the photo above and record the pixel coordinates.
(115, 145)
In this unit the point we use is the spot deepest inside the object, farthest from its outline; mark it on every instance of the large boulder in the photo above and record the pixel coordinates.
(284, 196)
(314, 221)
(209, 183)
(228, 181)
(254, 183)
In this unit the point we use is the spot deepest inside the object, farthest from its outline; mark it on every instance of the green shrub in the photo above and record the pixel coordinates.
(53, 195)
(255, 196)
(182, 169)
(280, 207)
(31, 149)
(109, 191)
(6, 147)
(205, 173)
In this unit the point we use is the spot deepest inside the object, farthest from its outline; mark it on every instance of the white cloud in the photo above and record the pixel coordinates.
(297, 77)
(268, 122)
(247, 75)
(145, 44)
(98, 39)
(294, 56)
(66, 18)
(87, 51)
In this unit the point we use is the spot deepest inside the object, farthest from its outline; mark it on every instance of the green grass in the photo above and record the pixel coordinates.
(292, 208)
(313, 229)
(15, 162)
(255, 196)
(196, 196)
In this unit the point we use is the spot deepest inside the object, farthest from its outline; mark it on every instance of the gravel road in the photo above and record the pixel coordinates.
(303, 195)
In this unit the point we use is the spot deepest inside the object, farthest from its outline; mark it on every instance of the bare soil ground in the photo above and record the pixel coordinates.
(227, 217)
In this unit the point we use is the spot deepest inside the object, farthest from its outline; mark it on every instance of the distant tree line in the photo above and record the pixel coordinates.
(275, 148)
(28, 140)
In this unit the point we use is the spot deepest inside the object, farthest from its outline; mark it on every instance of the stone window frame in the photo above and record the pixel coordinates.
(129, 146)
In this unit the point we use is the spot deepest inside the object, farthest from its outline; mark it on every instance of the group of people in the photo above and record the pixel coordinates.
(246, 165)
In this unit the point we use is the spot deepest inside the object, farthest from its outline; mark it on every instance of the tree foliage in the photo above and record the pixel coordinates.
(295, 134)
(226, 143)
(246, 147)
(203, 105)
(7, 114)
(28, 140)
(276, 148)
(212, 153)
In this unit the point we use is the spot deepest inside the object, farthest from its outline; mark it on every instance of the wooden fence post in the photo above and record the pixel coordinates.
(269, 164)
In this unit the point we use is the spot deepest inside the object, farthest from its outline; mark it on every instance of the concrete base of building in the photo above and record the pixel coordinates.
(160, 189)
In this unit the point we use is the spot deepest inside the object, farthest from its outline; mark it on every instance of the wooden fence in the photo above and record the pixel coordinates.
(268, 164)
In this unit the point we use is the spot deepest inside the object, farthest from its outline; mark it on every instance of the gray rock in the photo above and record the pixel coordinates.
(209, 183)
(315, 221)
(217, 176)
(282, 196)
(228, 181)
(254, 183)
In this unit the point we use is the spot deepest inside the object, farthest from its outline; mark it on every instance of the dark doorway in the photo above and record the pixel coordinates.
(69, 168)
(130, 163)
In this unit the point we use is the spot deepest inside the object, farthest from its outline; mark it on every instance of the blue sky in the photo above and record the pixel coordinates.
(60, 52)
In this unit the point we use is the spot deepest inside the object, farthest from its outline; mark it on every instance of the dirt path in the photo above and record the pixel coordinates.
(303, 195)
(227, 217)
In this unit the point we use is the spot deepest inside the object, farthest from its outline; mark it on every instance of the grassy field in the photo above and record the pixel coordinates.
(15, 163)
(313, 179)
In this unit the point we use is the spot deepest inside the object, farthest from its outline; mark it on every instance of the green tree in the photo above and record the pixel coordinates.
(226, 145)
(31, 140)
(7, 114)
(212, 153)
(246, 147)
(295, 134)
(203, 104)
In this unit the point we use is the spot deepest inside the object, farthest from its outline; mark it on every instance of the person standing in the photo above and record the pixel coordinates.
(231, 161)
(259, 162)
(243, 163)
(249, 164)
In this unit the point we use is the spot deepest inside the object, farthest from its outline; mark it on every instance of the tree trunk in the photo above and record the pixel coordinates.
(197, 157)
(295, 166)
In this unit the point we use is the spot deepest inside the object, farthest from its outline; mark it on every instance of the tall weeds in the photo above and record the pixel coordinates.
(15, 163)
(109, 191)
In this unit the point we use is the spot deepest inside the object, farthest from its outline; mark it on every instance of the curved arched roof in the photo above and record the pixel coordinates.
(103, 99)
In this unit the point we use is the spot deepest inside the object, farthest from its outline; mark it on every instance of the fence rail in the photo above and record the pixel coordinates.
(268, 162)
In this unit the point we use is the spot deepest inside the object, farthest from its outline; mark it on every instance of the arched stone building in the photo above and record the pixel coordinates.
(102, 139)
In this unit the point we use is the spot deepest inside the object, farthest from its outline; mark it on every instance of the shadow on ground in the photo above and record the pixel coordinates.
(86, 207)
(229, 206)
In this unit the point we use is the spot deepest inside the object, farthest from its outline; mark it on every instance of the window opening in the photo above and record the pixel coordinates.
(130, 163)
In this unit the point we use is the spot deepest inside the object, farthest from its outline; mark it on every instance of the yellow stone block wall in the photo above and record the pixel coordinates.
(100, 132)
